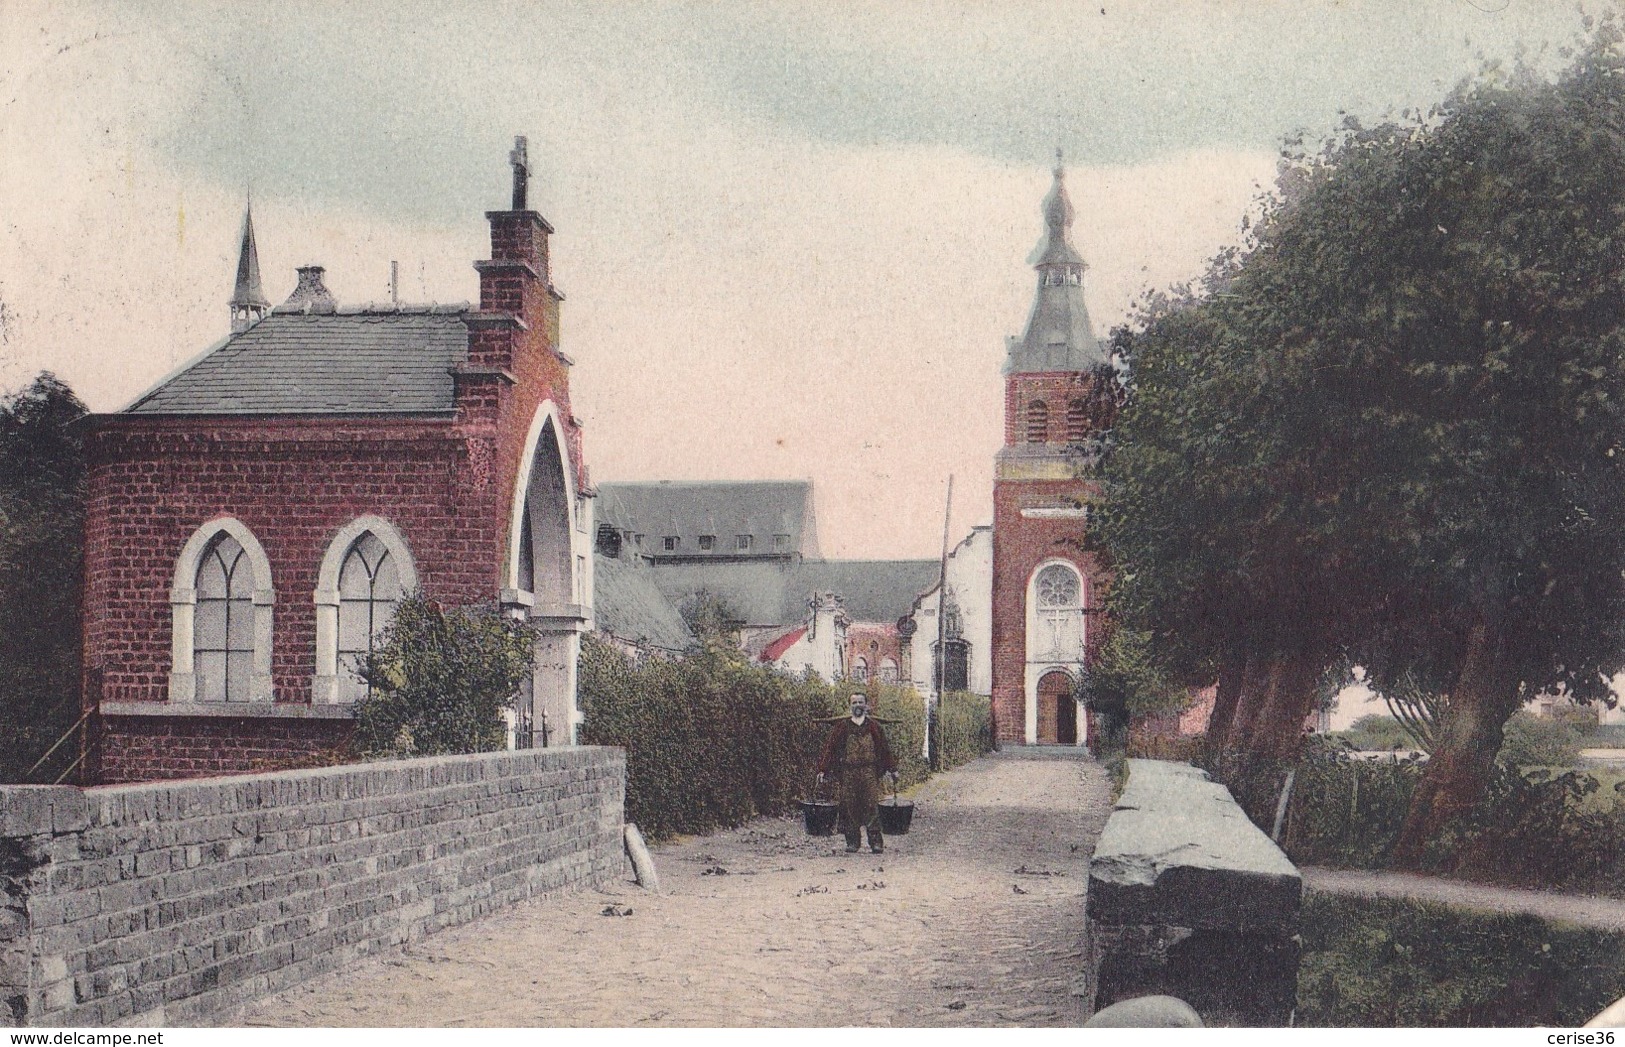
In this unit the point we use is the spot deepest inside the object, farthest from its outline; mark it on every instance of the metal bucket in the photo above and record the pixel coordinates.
(819, 816)
(895, 816)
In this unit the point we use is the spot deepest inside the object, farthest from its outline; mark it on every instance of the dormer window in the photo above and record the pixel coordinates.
(781, 543)
(669, 543)
(742, 543)
(707, 542)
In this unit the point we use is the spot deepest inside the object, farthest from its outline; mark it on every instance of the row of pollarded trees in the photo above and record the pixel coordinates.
(1391, 429)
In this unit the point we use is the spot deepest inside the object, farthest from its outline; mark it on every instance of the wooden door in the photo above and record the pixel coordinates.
(1054, 703)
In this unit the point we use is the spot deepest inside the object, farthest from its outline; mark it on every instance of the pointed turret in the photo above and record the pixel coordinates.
(248, 301)
(1058, 336)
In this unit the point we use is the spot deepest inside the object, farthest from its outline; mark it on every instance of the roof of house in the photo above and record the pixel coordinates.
(763, 594)
(719, 510)
(628, 606)
(393, 360)
(775, 650)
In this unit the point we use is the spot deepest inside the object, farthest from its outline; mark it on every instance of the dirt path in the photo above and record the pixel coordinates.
(975, 918)
(1585, 910)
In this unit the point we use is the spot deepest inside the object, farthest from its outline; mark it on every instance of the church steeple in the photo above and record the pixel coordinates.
(248, 302)
(1058, 336)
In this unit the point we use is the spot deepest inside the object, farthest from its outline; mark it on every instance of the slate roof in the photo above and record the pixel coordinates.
(765, 594)
(1059, 336)
(627, 605)
(722, 510)
(392, 360)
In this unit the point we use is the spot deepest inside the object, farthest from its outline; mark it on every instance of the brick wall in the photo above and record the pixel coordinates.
(1020, 544)
(175, 903)
(157, 748)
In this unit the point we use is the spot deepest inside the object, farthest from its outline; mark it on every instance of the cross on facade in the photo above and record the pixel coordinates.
(521, 172)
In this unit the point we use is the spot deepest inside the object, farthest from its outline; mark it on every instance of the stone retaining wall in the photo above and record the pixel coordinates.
(1188, 898)
(176, 902)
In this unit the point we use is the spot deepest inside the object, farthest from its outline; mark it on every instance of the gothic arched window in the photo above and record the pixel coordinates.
(223, 623)
(369, 591)
(860, 670)
(366, 571)
(1057, 633)
(1037, 422)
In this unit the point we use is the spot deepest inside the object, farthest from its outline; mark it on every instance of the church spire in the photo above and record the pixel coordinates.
(1058, 336)
(248, 302)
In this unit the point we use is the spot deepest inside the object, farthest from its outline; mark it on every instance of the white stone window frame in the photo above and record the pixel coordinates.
(183, 611)
(324, 687)
(1038, 664)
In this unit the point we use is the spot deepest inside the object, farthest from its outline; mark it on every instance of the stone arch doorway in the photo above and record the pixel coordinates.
(546, 584)
(1057, 710)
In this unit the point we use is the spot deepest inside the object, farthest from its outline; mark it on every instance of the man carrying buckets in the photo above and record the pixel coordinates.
(857, 752)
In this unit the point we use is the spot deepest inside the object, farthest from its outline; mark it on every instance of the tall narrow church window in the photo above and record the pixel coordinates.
(223, 628)
(1059, 626)
(1037, 422)
(860, 670)
(369, 591)
(1077, 421)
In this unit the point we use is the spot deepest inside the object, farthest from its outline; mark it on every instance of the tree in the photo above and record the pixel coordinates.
(1401, 442)
(1128, 683)
(439, 679)
(42, 475)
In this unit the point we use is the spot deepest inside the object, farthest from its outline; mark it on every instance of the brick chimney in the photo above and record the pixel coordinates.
(311, 295)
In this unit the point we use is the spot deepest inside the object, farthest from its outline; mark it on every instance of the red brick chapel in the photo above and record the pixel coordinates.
(1060, 394)
(253, 519)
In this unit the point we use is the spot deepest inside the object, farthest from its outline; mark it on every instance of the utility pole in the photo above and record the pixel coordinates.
(933, 719)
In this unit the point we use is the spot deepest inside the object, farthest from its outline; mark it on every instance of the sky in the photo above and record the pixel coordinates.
(792, 237)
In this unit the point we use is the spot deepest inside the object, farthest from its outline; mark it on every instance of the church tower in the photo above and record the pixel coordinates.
(248, 302)
(1060, 395)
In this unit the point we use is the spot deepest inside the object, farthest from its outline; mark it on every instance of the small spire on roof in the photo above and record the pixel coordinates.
(248, 302)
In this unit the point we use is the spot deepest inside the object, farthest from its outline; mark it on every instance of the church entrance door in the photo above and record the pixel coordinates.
(1057, 711)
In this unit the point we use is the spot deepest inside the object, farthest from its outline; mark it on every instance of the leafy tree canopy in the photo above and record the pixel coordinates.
(42, 474)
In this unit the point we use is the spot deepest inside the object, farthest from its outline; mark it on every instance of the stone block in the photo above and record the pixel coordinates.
(1178, 850)
(1188, 898)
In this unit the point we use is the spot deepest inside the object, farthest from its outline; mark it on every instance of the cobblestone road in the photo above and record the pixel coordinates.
(975, 918)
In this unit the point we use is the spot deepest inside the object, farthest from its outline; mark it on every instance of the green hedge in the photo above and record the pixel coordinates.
(712, 740)
(1380, 962)
(967, 727)
(1536, 827)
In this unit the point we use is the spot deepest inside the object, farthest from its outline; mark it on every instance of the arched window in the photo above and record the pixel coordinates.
(223, 629)
(1057, 633)
(221, 604)
(888, 671)
(860, 670)
(1077, 421)
(1037, 422)
(369, 591)
(367, 570)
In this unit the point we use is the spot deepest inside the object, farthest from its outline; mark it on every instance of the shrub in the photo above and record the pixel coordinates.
(1376, 962)
(713, 740)
(1347, 810)
(1128, 684)
(1545, 829)
(439, 679)
(1538, 741)
(967, 727)
(1377, 732)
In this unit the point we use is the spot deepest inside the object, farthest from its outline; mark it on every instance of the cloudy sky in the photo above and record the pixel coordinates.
(791, 241)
